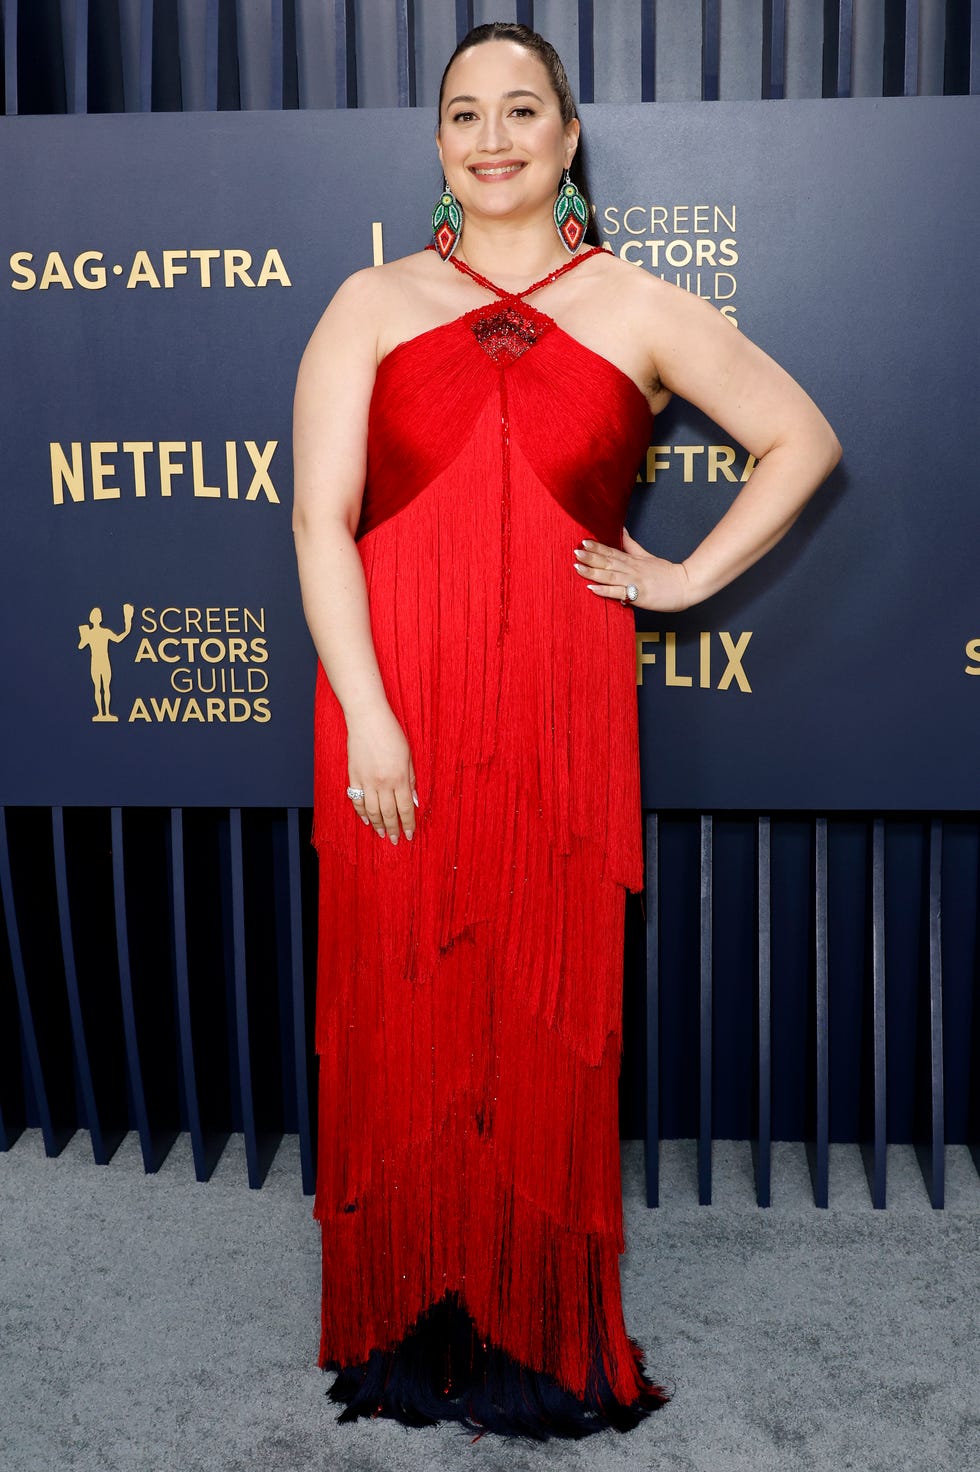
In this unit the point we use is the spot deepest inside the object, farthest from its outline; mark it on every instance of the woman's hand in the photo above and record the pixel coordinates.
(660, 585)
(380, 763)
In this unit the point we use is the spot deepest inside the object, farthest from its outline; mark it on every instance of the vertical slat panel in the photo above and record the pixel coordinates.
(134, 1066)
(932, 46)
(345, 40)
(83, 1063)
(910, 81)
(932, 1158)
(819, 1156)
(10, 57)
(652, 894)
(307, 1163)
(276, 57)
(405, 38)
(586, 51)
(704, 1074)
(255, 1163)
(763, 1168)
(975, 48)
(710, 49)
(868, 50)
(774, 50)
(146, 56)
(54, 1138)
(464, 18)
(205, 1151)
(212, 19)
(648, 51)
(845, 37)
(80, 58)
(876, 1162)
(524, 13)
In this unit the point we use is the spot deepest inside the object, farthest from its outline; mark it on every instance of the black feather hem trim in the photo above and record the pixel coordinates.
(442, 1371)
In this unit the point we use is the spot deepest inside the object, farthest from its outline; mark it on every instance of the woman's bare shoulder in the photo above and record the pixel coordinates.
(364, 300)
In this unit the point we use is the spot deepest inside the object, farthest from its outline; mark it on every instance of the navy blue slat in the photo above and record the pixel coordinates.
(79, 1045)
(212, 18)
(774, 50)
(845, 32)
(405, 44)
(53, 1140)
(704, 1079)
(133, 1065)
(877, 1168)
(276, 56)
(763, 1143)
(648, 51)
(910, 79)
(10, 57)
(819, 1158)
(710, 49)
(586, 51)
(464, 18)
(307, 1163)
(146, 56)
(80, 59)
(652, 898)
(524, 14)
(975, 48)
(185, 1033)
(252, 1152)
(345, 55)
(933, 1159)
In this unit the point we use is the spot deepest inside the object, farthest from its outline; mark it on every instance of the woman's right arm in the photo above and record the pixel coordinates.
(330, 420)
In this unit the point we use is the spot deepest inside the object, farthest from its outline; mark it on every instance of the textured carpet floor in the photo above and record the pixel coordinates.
(153, 1324)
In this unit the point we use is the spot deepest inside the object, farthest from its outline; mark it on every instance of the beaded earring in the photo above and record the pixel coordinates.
(447, 222)
(571, 214)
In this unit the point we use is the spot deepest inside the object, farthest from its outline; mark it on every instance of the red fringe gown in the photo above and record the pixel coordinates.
(468, 1014)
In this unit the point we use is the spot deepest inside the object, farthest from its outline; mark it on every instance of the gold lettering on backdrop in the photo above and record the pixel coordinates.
(732, 646)
(973, 655)
(105, 470)
(203, 664)
(165, 270)
(687, 244)
(719, 461)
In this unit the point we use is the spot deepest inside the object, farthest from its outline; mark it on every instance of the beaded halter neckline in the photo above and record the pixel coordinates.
(535, 286)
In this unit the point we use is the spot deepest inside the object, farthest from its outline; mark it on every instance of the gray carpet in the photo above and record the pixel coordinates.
(151, 1323)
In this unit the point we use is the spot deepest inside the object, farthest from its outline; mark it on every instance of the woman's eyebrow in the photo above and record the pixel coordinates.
(520, 92)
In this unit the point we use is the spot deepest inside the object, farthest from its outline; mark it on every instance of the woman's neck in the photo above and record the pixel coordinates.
(511, 254)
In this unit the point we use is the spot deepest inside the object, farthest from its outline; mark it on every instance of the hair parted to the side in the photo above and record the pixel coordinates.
(504, 30)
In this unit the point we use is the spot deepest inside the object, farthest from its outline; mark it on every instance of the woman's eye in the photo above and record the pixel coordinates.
(524, 112)
(462, 117)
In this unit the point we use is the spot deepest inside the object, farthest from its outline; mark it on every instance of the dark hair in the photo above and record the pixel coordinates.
(503, 30)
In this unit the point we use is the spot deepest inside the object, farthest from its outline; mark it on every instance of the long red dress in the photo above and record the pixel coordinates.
(468, 1014)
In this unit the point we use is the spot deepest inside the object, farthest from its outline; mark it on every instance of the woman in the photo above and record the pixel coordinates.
(469, 421)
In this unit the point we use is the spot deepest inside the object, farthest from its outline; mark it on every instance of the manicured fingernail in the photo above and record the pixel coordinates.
(579, 553)
(411, 835)
(365, 820)
(393, 837)
(415, 797)
(585, 543)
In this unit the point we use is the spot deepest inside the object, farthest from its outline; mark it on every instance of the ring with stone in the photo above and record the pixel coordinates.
(355, 793)
(632, 592)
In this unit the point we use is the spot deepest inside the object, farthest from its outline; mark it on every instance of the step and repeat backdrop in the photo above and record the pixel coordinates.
(159, 278)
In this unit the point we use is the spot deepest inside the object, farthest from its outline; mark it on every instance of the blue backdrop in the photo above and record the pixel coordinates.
(161, 275)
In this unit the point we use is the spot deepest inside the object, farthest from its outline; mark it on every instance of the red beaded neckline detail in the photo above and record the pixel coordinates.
(535, 286)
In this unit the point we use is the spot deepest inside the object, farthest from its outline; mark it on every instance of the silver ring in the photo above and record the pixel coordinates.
(632, 592)
(355, 792)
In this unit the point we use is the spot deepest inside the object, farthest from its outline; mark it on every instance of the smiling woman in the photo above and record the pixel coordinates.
(467, 433)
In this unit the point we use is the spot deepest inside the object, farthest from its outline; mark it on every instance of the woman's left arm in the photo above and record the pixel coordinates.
(702, 357)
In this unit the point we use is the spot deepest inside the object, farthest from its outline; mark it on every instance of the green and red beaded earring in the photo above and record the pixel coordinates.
(571, 214)
(447, 222)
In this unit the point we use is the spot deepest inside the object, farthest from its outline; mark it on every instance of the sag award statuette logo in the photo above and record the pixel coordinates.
(95, 637)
